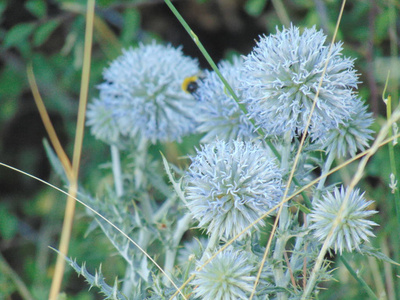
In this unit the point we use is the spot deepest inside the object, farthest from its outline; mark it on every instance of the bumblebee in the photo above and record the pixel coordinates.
(191, 84)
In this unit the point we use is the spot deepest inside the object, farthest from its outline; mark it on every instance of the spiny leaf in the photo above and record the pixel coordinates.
(176, 184)
(96, 280)
(370, 251)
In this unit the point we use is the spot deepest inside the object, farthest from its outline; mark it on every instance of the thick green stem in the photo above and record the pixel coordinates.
(395, 189)
(145, 201)
(162, 210)
(117, 172)
(181, 227)
(212, 243)
(141, 180)
(361, 281)
(314, 274)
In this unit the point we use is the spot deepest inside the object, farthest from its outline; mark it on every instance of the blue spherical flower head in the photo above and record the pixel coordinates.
(230, 275)
(231, 184)
(352, 135)
(219, 114)
(143, 87)
(281, 77)
(352, 228)
(100, 119)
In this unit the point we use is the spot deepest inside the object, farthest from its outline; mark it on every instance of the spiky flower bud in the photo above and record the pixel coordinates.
(143, 95)
(219, 114)
(281, 77)
(350, 225)
(230, 185)
(100, 119)
(228, 276)
(352, 135)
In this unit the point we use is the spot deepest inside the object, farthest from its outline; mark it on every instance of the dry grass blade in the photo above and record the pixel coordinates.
(47, 123)
(71, 171)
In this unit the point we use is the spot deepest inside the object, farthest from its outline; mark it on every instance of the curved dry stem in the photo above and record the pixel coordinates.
(62, 156)
(70, 208)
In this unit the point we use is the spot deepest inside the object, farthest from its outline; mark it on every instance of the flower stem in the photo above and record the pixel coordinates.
(212, 242)
(356, 276)
(145, 201)
(393, 164)
(140, 179)
(314, 274)
(116, 168)
(181, 227)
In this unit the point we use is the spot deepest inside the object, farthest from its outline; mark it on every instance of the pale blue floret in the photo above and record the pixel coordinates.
(353, 227)
(230, 185)
(100, 119)
(352, 135)
(227, 276)
(143, 91)
(220, 116)
(281, 77)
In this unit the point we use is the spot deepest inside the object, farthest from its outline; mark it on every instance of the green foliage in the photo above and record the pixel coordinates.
(255, 7)
(43, 32)
(18, 35)
(8, 223)
(97, 280)
(37, 7)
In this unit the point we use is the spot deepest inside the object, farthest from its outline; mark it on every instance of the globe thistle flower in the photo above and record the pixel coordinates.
(230, 185)
(353, 227)
(228, 276)
(100, 119)
(219, 114)
(142, 90)
(352, 135)
(281, 77)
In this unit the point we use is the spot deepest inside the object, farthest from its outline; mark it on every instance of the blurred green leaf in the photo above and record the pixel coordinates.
(382, 26)
(8, 223)
(36, 7)
(131, 26)
(43, 32)
(3, 6)
(384, 65)
(11, 86)
(255, 7)
(44, 69)
(18, 34)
